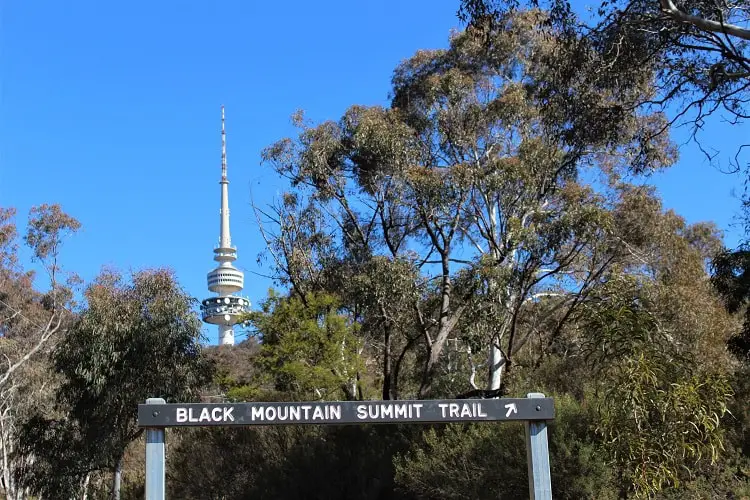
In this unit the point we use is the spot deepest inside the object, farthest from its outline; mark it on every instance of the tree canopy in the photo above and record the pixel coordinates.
(469, 193)
(490, 231)
(696, 53)
(130, 342)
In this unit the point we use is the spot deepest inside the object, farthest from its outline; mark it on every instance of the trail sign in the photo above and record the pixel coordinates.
(345, 412)
(535, 410)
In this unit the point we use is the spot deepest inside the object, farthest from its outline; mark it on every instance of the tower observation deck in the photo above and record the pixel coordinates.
(224, 309)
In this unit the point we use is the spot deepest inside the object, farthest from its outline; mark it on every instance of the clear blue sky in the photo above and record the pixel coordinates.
(112, 110)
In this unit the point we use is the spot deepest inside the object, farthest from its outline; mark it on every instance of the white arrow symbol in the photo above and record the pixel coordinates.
(511, 409)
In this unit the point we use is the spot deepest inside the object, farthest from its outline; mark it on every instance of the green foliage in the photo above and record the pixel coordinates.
(694, 56)
(236, 371)
(488, 461)
(242, 393)
(732, 280)
(466, 461)
(289, 463)
(484, 213)
(132, 341)
(579, 466)
(309, 350)
(660, 410)
(449, 213)
(48, 226)
(654, 429)
(31, 324)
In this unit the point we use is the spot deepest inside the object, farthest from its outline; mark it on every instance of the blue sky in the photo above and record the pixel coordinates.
(112, 110)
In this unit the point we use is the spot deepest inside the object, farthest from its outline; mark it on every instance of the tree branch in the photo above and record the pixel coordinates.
(670, 9)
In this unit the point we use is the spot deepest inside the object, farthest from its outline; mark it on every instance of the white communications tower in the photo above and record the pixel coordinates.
(225, 309)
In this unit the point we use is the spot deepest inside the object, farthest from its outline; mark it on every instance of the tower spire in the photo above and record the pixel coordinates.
(223, 148)
(225, 240)
(225, 309)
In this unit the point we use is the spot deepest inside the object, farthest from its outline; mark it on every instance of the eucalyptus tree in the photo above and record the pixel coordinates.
(697, 55)
(463, 205)
(656, 339)
(698, 51)
(641, 379)
(48, 226)
(31, 323)
(131, 341)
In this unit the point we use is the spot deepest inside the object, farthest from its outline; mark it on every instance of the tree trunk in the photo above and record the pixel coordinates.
(7, 447)
(117, 479)
(496, 363)
(86, 481)
(429, 371)
(497, 360)
(436, 348)
(387, 371)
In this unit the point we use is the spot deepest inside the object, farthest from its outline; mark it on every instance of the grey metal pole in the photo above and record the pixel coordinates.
(155, 460)
(537, 455)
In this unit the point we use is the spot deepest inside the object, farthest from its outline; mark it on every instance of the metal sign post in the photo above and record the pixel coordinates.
(535, 410)
(155, 458)
(537, 456)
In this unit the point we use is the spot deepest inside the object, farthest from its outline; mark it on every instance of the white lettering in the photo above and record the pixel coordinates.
(479, 411)
(443, 407)
(294, 413)
(336, 412)
(401, 411)
(361, 412)
(418, 407)
(205, 415)
(453, 410)
(386, 411)
(283, 412)
(329, 412)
